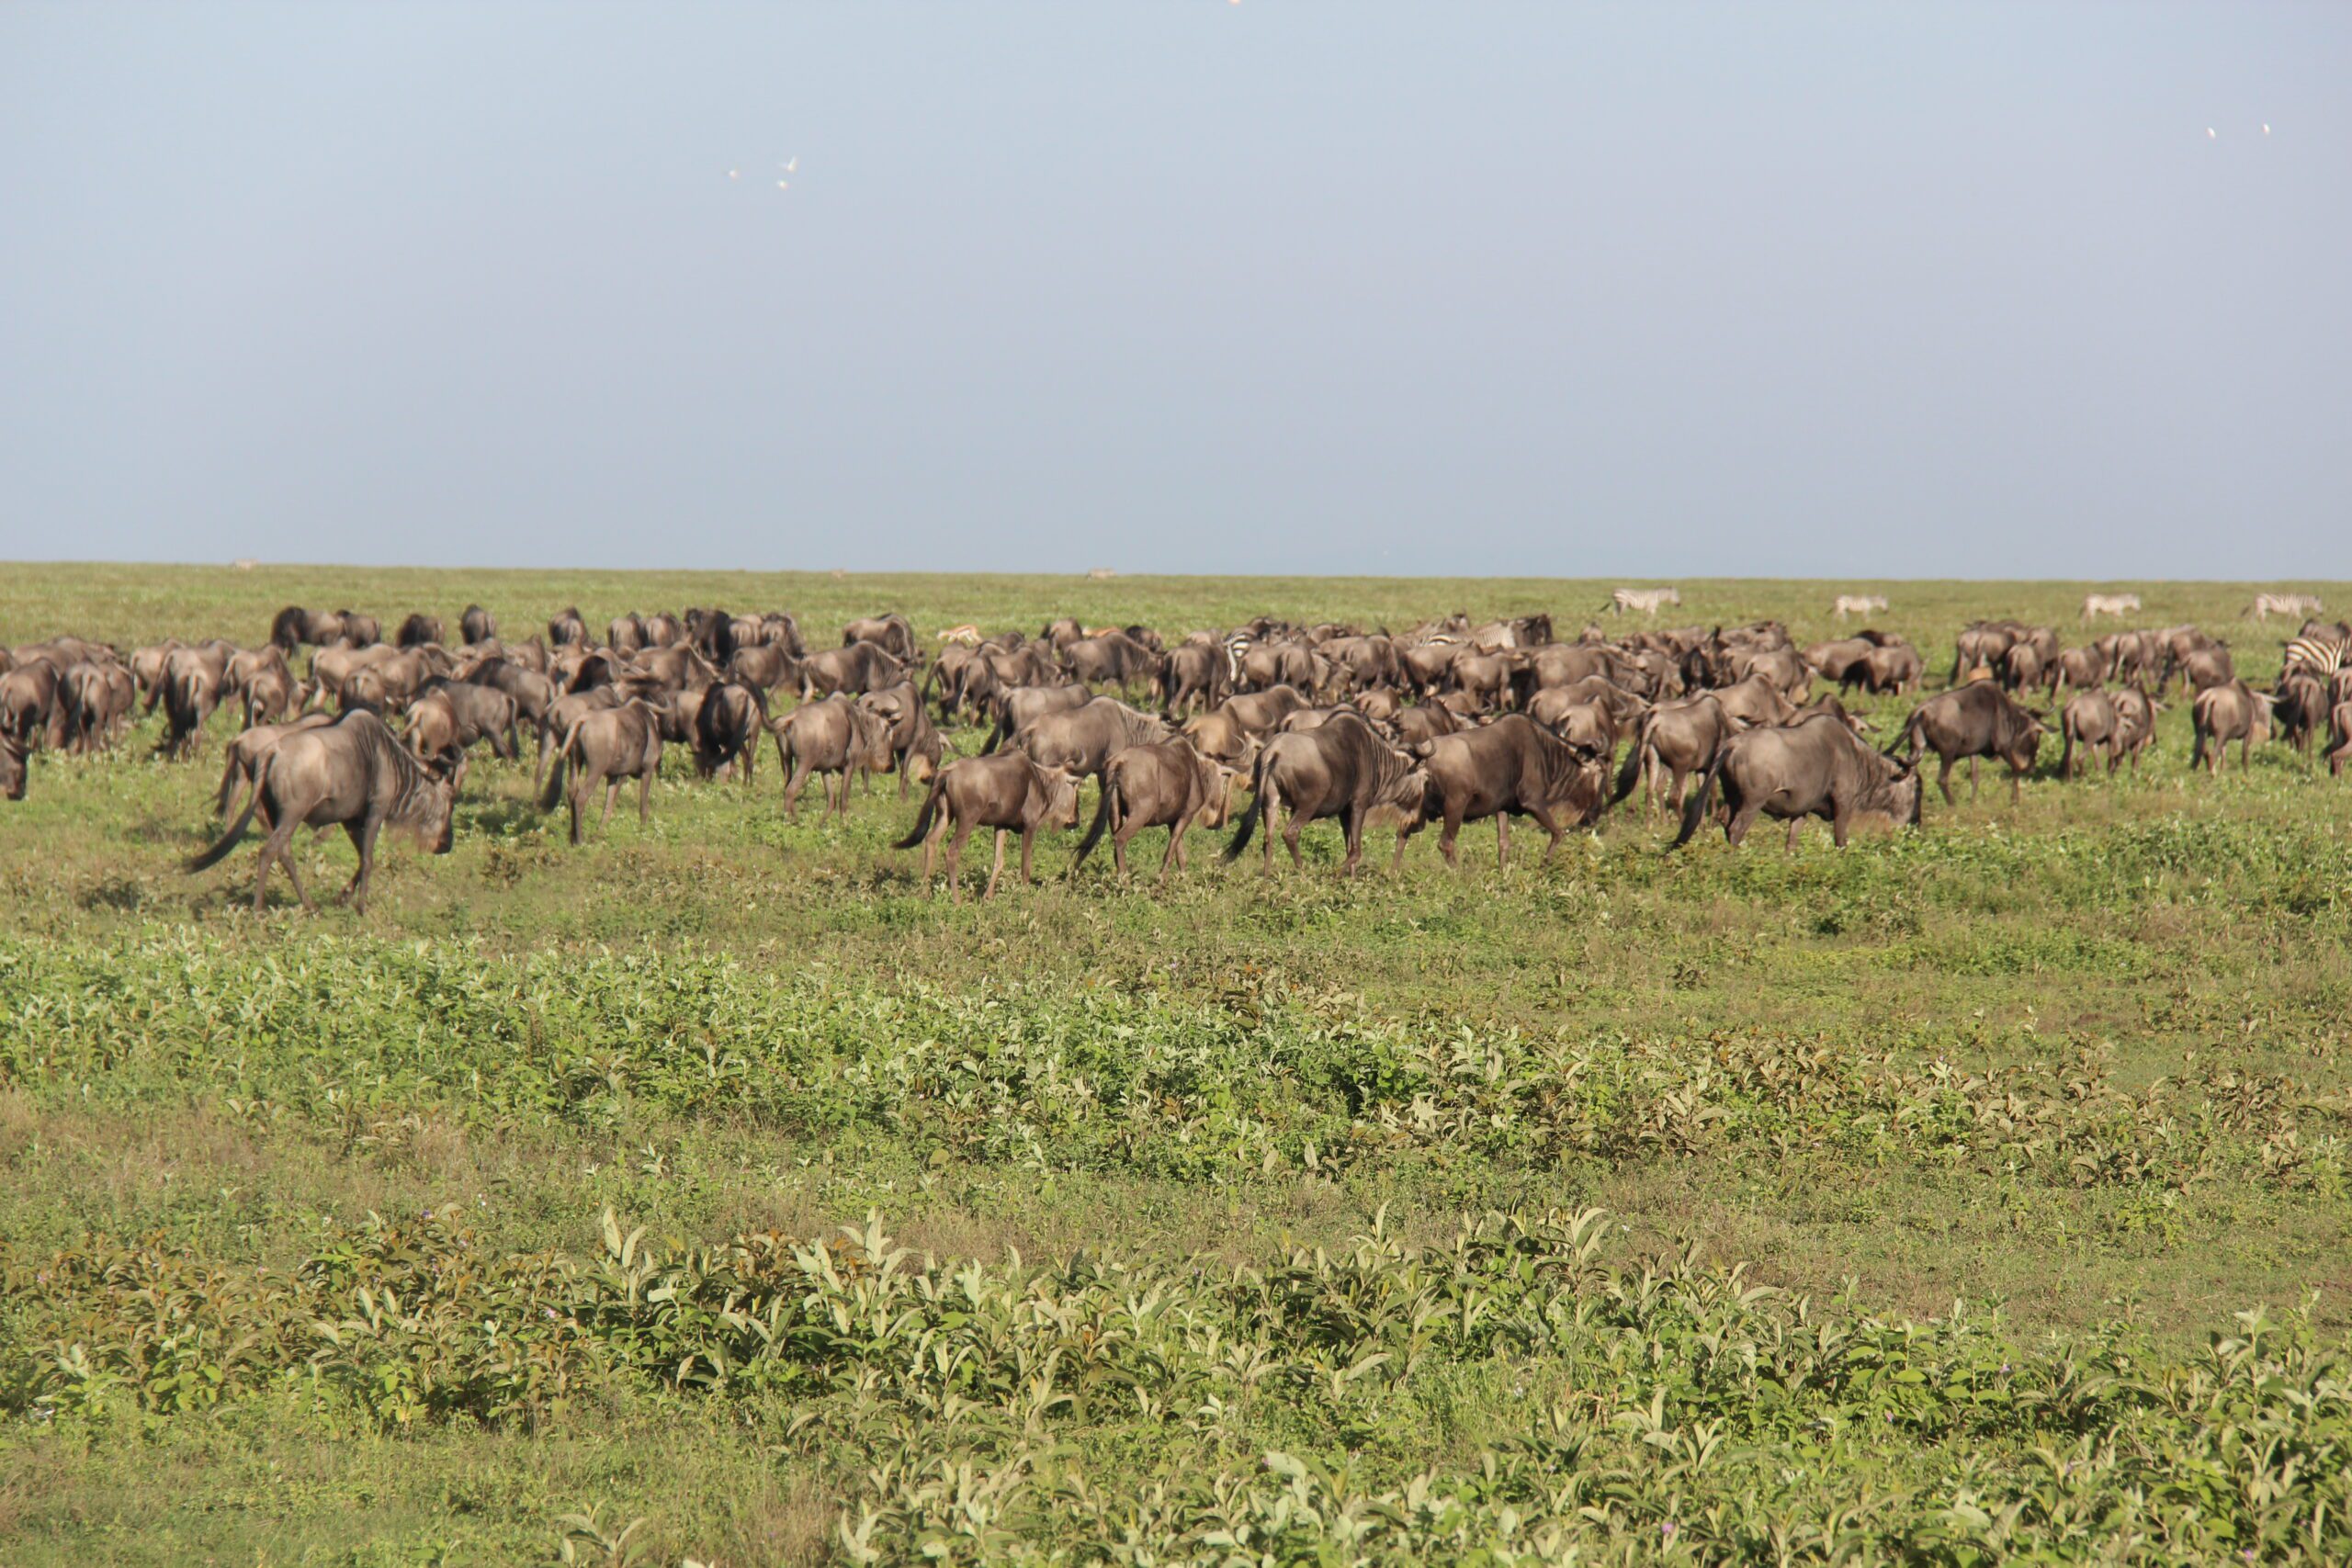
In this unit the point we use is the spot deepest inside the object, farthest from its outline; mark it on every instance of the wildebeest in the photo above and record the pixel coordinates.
(531, 691)
(476, 624)
(1973, 721)
(2230, 711)
(353, 771)
(1676, 740)
(1512, 767)
(891, 633)
(854, 667)
(1165, 785)
(1007, 791)
(1017, 708)
(2090, 720)
(561, 715)
(418, 630)
(1080, 740)
(294, 625)
(567, 627)
(727, 723)
(908, 735)
(192, 688)
(29, 710)
(454, 715)
(1341, 769)
(1113, 659)
(833, 737)
(1816, 768)
(1193, 674)
(606, 745)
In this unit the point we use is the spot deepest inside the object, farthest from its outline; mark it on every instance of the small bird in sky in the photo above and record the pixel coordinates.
(792, 165)
(2266, 128)
(2211, 134)
(734, 173)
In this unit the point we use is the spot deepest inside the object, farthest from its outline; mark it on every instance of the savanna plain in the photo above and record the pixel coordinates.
(714, 1191)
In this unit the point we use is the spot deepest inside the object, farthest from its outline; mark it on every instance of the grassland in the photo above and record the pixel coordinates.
(1972, 1194)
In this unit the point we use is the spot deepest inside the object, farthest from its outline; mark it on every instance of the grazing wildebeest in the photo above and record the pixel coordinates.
(727, 724)
(352, 771)
(1341, 769)
(856, 666)
(891, 633)
(828, 737)
(1163, 784)
(1817, 768)
(2136, 711)
(2231, 711)
(605, 746)
(1676, 740)
(1194, 675)
(295, 626)
(419, 630)
(1080, 740)
(476, 624)
(247, 752)
(1270, 664)
(270, 694)
(2116, 604)
(2090, 720)
(1755, 700)
(1512, 767)
(1007, 791)
(1973, 721)
(625, 632)
(359, 630)
(908, 734)
(1018, 708)
(454, 715)
(1859, 605)
(1424, 721)
(1113, 659)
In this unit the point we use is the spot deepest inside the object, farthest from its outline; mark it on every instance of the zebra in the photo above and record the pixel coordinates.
(2116, 604)
(2319, 656)
(2268, 605)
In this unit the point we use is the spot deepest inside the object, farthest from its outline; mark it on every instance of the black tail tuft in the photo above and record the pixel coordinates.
(923, 818)
(1694, 811)
(220, 852)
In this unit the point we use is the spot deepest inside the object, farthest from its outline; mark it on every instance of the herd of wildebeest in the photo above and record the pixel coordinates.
(1449, 722)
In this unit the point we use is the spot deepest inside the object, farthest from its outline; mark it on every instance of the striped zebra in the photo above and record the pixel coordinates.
(2268, 605)
(2319, 656)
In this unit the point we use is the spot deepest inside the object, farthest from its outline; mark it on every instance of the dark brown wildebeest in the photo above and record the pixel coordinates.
(2090, 720)
(294, 625)
(853, 668)
(147, 669)
(2232, 711)
(1114, 659)
(1061, 634)
(418, 630)
(1364, 662)
(249, 749)
(1973, 721)
(1163, 784)
(1676, 740)
(476, 624)
(2299, 706)
(1007, 791)
(833, 737)
(1840, 660)
(1486, 678)
(1027, 664)
(1343, 770)
(606, 745)
(567, 629)
(727, 726)
(1379, 705)
(891, 633)
(1513, 767)
(1080, 740)
(1423, 721)
(908, 734)
(353, 771)
(454, 715)
(1018, 708)
(1817, 768)
(562, 714)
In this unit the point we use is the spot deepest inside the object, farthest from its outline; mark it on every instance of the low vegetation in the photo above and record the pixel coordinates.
(713, 1192)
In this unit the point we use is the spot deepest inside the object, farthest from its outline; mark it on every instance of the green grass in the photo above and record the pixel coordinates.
(1617, 1206)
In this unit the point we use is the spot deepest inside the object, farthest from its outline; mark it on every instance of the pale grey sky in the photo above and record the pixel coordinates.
(1642, 289)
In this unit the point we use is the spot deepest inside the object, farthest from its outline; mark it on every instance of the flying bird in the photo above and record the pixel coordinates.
(733, 174)
(792, 165)
(2266, 128)
(2211, 134)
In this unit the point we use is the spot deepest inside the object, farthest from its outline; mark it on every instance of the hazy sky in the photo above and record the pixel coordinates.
(1178, 284)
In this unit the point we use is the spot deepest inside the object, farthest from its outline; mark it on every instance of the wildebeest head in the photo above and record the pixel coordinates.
(433, 812)
(1061, 798)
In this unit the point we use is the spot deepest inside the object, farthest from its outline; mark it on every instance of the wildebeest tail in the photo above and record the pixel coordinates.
(1250, 818)
(925, 817)
(1694, 811)
(1000, 733)
(553, 794)
(1631, 772)
(218, 851)
(1102, 820)
(228, 783)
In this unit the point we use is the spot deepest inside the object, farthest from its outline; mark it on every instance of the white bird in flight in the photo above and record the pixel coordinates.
(792, 165)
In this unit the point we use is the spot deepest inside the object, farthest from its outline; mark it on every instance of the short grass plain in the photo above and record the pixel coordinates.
(713, 1191)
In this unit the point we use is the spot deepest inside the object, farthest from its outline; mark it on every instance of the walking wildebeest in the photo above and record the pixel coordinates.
(1340, 769)
(856, 666)
(727, 727)
(1817, 768)
(352, 771)
(831, 737)
(1676, 740)
(1018, 708)
(891, 633)
(249, 749)
(1512, 767)
(2232, 711)
(1164, 784)
(1007, 791)
(1080, 740)
(1973, 721)
(605, 746)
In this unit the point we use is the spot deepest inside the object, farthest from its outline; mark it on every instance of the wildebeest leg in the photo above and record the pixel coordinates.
(904, 757)
(1028, 843)
(956, 859)
(1352, 832)
(645, 798)
(997, 870)
(1943, 778)
(1842, 820)
(1742, 820)
(2066, 759)
(1502, 840)
(795, 782)
(1796, 825)
(366, 838)
(1175, 855)
(579, 795)
(1446, 836)
(1550, 824)
(1971, 779)
(612, 792)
